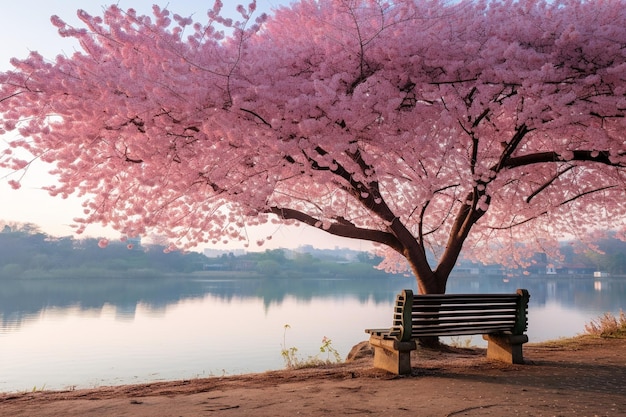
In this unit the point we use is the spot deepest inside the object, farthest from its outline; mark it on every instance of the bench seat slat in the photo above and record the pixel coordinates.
(468, 323)
(460, 317)
(421, 301)
(426, 301)
(509, 321)
(387, 333)
(466, 295)
(482, 311)
(463, 298)
(378, 332)
(442, 331)
(473, 306)
(460, 331)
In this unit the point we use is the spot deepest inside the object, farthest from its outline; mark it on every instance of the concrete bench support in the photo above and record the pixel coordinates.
(505, 347)
(392, 355)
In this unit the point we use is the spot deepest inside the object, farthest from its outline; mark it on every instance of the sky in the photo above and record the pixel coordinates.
(25, 26)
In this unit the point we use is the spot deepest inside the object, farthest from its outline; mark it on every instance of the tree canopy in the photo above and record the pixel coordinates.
(411, 124)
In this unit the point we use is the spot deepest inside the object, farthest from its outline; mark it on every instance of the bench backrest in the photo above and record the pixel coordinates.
(459, 314)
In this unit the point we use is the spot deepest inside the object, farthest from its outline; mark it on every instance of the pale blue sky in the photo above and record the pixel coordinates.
(25, 26)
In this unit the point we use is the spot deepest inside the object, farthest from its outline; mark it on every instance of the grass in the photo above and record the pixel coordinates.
(605, 326)
(293, 361)
(608, 326)
(570, 343)
(461, 342)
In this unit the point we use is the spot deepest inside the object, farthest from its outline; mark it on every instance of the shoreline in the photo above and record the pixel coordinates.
(559, 377)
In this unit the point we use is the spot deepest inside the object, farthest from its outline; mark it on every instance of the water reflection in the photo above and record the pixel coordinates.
(23, 300)
(101, 332)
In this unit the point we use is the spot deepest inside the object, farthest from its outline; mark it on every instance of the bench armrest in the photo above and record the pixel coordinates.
(391, 333)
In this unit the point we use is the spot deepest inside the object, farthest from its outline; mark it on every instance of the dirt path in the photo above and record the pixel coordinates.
(585, 377)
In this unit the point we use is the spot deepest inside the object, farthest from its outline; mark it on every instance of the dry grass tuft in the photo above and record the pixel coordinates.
(566, 343)
(608, 325)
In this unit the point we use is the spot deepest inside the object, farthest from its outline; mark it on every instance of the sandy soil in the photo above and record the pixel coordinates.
(581, 377)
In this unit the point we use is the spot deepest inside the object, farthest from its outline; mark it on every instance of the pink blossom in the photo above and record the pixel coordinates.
(16, 185)
(434, 125)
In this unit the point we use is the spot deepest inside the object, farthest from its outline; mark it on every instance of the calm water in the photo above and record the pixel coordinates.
(67, 333)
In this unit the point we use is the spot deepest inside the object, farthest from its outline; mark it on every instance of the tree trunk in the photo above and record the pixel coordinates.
(433, 284)
(428, 282)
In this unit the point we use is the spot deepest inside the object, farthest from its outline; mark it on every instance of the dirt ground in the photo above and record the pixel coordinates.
(580, 377)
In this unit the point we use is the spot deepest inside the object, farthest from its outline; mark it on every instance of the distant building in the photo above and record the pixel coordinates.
(574, 269)
(216, 253)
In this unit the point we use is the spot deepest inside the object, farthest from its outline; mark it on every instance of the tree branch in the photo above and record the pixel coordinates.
(511, 146)
(10, 96)
(541, 157)
(547, 183)
(398, 237)
(543, 213)
(257, 116)
(342, 228)
(466, 217)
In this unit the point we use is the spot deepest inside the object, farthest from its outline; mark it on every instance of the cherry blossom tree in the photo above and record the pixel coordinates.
(417, 125)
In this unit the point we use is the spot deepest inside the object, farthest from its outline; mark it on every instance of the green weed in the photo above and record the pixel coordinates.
(328, 348)
(293, 361)
(290, 355)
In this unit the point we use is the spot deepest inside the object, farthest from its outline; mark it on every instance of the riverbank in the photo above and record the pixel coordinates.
(583, 376)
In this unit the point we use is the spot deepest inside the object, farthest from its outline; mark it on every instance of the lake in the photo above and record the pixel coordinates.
(60, 334)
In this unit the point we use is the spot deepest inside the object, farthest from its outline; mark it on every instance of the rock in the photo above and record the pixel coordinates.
(361, 350)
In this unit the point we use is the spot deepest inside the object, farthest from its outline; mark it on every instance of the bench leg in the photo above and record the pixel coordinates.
(505, 347)
(391, 355)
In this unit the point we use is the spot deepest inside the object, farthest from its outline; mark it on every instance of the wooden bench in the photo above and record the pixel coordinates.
(500, 318)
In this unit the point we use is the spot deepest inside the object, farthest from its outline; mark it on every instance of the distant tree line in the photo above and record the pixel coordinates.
(285, 263)
(610, 256)
(25, 252)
